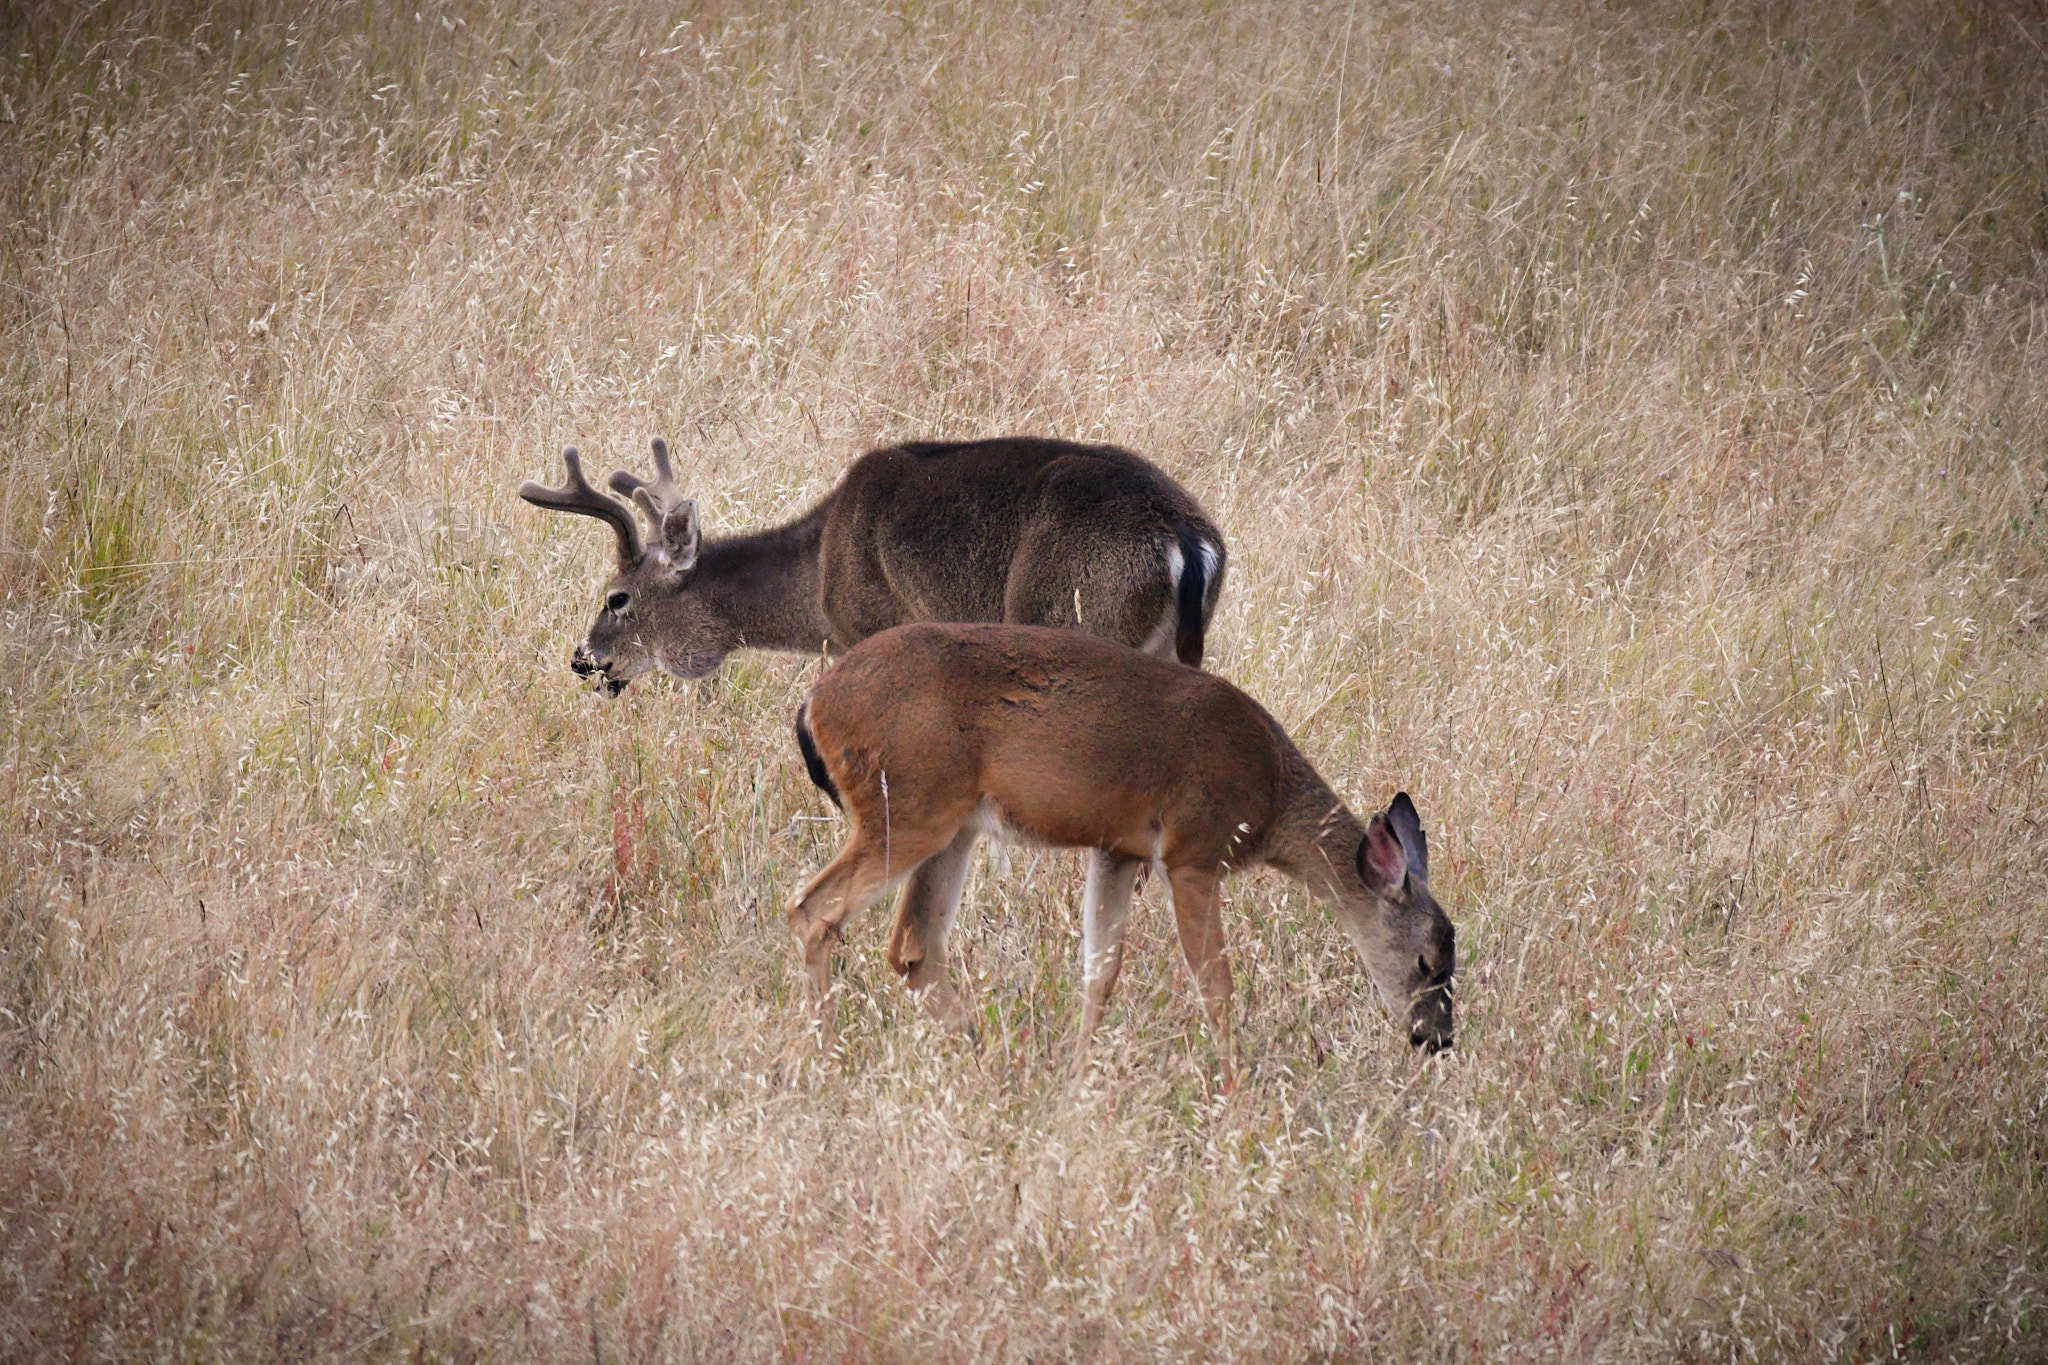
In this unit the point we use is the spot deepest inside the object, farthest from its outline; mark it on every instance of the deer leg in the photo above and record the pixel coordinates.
(1197, 913)
(1103, 911)
(924, 917)
(860, 872)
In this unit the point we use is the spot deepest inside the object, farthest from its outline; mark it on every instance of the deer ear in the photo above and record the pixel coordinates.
(681, 535)
(1381, 859)
(1408, 829)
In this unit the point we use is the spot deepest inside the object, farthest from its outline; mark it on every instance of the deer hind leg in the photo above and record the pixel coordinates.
(924, 917)
(861, 872)
(1103, 911)
(1197, 913)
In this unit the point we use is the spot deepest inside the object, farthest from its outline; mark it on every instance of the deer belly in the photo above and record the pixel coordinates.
(1128, 834)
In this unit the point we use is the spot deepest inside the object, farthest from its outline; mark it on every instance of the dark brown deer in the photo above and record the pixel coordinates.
(1020, 529)
(930, 735)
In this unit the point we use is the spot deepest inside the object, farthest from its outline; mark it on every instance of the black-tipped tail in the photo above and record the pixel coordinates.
(813, 764)
(1196, 556)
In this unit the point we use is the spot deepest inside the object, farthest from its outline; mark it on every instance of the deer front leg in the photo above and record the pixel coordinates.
(847, 884)
(860, 872)
(1197, 914)
(924, 917)
(1103, 911)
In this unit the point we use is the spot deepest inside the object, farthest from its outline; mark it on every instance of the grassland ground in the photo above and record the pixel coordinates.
(1631, 429)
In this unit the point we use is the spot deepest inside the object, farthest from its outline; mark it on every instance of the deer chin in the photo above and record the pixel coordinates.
(605, 681)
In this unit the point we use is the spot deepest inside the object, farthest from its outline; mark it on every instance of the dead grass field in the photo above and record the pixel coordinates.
(1631, 428)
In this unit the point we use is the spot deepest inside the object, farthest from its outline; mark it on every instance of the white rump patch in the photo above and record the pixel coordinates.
(1160, 641)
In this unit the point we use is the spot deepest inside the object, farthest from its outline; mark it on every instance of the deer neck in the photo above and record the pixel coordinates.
(1317, 836)
(765, 586)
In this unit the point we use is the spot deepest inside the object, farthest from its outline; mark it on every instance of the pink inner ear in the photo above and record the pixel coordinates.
(1383, 856)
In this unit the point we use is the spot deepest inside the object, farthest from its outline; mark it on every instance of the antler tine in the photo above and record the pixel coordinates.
(579, 497)
(667, 497)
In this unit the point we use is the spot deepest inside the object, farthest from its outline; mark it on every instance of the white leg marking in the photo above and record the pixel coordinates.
(1104, 907)
(945, 875)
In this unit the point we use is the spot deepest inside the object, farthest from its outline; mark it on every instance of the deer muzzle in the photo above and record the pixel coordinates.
(584, 664)
(1429, 1019)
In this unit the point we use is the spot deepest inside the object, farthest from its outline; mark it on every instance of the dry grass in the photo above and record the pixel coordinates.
(1632, 431)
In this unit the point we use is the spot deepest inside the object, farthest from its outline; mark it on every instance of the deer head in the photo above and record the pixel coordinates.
(1406, 940)
(650, 618)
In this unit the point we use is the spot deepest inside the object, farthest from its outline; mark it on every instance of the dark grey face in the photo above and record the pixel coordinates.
(652, 618)
(1415, 955)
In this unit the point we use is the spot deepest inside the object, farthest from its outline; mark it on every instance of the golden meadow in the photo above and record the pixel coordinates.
(1630, 425)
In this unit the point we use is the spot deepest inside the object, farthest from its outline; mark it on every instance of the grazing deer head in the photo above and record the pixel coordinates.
(650, 618)
(929, 735)
(1019, 529)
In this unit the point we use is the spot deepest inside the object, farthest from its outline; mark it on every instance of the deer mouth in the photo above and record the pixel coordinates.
(585, 664)
(1430, 1023)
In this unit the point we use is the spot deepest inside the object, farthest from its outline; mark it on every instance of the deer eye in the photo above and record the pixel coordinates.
(1422, 965)
(616, 603)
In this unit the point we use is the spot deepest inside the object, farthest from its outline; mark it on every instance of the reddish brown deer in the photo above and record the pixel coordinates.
(929, 735)
(1020, 529)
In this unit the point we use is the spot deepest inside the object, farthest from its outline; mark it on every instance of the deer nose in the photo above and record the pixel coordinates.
(581, 663)
(1435, 1042)
(1430, 1031)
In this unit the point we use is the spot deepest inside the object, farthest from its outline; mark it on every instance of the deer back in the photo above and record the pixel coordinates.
(1023, 530)
(1061, 737)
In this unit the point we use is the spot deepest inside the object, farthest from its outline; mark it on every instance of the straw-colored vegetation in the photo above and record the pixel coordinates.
(1631, 428)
